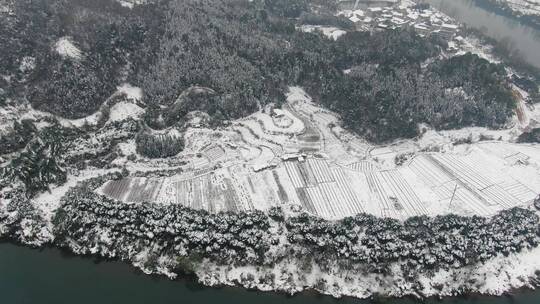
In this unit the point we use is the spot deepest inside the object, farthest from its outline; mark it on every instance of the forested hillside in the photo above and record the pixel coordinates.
(246, 53)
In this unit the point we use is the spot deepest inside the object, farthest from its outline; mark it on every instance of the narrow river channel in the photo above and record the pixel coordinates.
(524, 39)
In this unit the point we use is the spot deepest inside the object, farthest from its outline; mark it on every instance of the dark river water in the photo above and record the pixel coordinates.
(49, 276)
(518, 37)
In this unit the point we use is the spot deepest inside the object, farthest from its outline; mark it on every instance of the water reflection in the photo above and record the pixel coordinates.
(519, 39)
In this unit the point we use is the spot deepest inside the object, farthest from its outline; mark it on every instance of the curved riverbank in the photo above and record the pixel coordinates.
(519, 38)
(529, 20)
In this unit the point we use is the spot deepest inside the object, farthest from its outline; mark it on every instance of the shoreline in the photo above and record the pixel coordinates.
(528, 20)
(193, 281)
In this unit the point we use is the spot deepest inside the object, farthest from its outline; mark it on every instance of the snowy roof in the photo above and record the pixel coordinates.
(354, 19)
(450, 26)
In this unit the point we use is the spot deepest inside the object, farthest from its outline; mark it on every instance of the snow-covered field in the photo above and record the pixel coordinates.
(259, 162)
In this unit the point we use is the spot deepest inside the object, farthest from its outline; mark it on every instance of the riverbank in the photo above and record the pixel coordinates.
(519, 39)
(49, 275)
(505, 9)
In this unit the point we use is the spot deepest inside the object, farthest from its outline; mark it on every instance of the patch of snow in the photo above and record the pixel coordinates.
(123, 110)
(131, 3)
(126, 4)
(66, 48)
(328, 31)
(27, 64)
(131, 92)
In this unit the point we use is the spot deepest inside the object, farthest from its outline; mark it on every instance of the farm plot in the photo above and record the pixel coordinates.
(265, 191)
(449, 188)
(500, 150)
(459, 183)
(310, 139)
(359, 146)
(518, 190)
(303, 175)
(198, 162)
(273, 141)
(133, 190)
(306, 201)
(491, 192)
(181, 191)
(333, 147)
(320, 200)
(330, 191)
(295, 175)
(516, 177)
(248, 152)
(282, 122)
(242, 185)
(321, 189)
(117, 189)
(212, 192)
(214, 153)
(351, 202)
(363, 166)
(248, 136)
(353, 143)
(396, 198)
(517, 158)
(514, 162)
(321, 170)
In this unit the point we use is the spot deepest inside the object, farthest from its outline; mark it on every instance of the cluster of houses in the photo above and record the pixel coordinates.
(424, 20)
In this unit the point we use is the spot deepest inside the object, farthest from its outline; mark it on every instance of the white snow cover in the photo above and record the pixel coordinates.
(338, 179)
(124, 110)
(126, 4)
(90, 119)
(66, 48)
(494, 277)
(127, 108)
(131, 3)
(49, 201)
(131, 92)
(329, 31)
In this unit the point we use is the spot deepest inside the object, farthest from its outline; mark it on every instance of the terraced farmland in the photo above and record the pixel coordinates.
(300, 156)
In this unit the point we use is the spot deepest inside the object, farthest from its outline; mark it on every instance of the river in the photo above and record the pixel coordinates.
(506, 29)
(48, 276)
